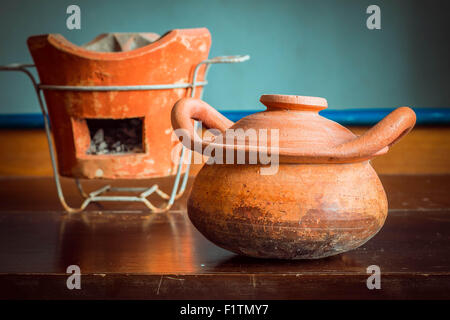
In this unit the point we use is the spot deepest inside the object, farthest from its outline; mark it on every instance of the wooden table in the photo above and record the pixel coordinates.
(124, 253)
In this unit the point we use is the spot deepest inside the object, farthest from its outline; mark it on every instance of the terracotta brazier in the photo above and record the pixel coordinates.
(323, 199)
(132, 60)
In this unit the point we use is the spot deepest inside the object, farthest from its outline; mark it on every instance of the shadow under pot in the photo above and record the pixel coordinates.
(311, 193)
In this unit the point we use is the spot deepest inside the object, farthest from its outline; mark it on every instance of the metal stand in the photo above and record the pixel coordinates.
(144, 193)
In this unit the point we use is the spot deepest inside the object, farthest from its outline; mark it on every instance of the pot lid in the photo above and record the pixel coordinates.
(292, 127)
(298, 122)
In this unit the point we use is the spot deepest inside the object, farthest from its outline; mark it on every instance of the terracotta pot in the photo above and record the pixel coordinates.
(324, 199)
(169, 59)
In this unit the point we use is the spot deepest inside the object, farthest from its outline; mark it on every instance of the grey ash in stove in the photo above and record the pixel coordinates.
(110, 136)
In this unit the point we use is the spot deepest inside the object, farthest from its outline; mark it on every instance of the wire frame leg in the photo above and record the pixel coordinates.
(99, 194)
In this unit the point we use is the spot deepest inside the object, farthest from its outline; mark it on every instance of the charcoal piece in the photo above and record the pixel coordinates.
(111, 136)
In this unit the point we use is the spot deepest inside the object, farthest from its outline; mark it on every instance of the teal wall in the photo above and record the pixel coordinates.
(318, 48)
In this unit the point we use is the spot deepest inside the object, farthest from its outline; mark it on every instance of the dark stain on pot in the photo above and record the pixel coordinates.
(248, 213)
(271, 241)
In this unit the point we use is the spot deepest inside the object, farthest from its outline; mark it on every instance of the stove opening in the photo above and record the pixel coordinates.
(111, 136)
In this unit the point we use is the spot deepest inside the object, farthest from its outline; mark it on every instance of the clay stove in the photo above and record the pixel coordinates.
(109, 105)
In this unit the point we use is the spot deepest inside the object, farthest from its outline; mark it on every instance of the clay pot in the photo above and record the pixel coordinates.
(131, 59)
(324, 199)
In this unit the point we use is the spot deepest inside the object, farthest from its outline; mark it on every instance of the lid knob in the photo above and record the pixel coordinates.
(291, 102)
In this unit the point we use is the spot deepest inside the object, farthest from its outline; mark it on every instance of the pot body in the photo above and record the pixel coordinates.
(304, 211)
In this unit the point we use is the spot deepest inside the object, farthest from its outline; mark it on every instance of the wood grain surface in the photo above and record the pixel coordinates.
(125, 253)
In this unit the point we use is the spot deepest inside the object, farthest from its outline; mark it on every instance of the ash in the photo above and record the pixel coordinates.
(115, 136)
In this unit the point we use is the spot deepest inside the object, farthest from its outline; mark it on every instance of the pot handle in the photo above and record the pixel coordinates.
(188, 109)
(380, 137)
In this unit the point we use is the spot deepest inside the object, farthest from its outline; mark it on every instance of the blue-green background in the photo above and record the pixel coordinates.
(316, 48)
